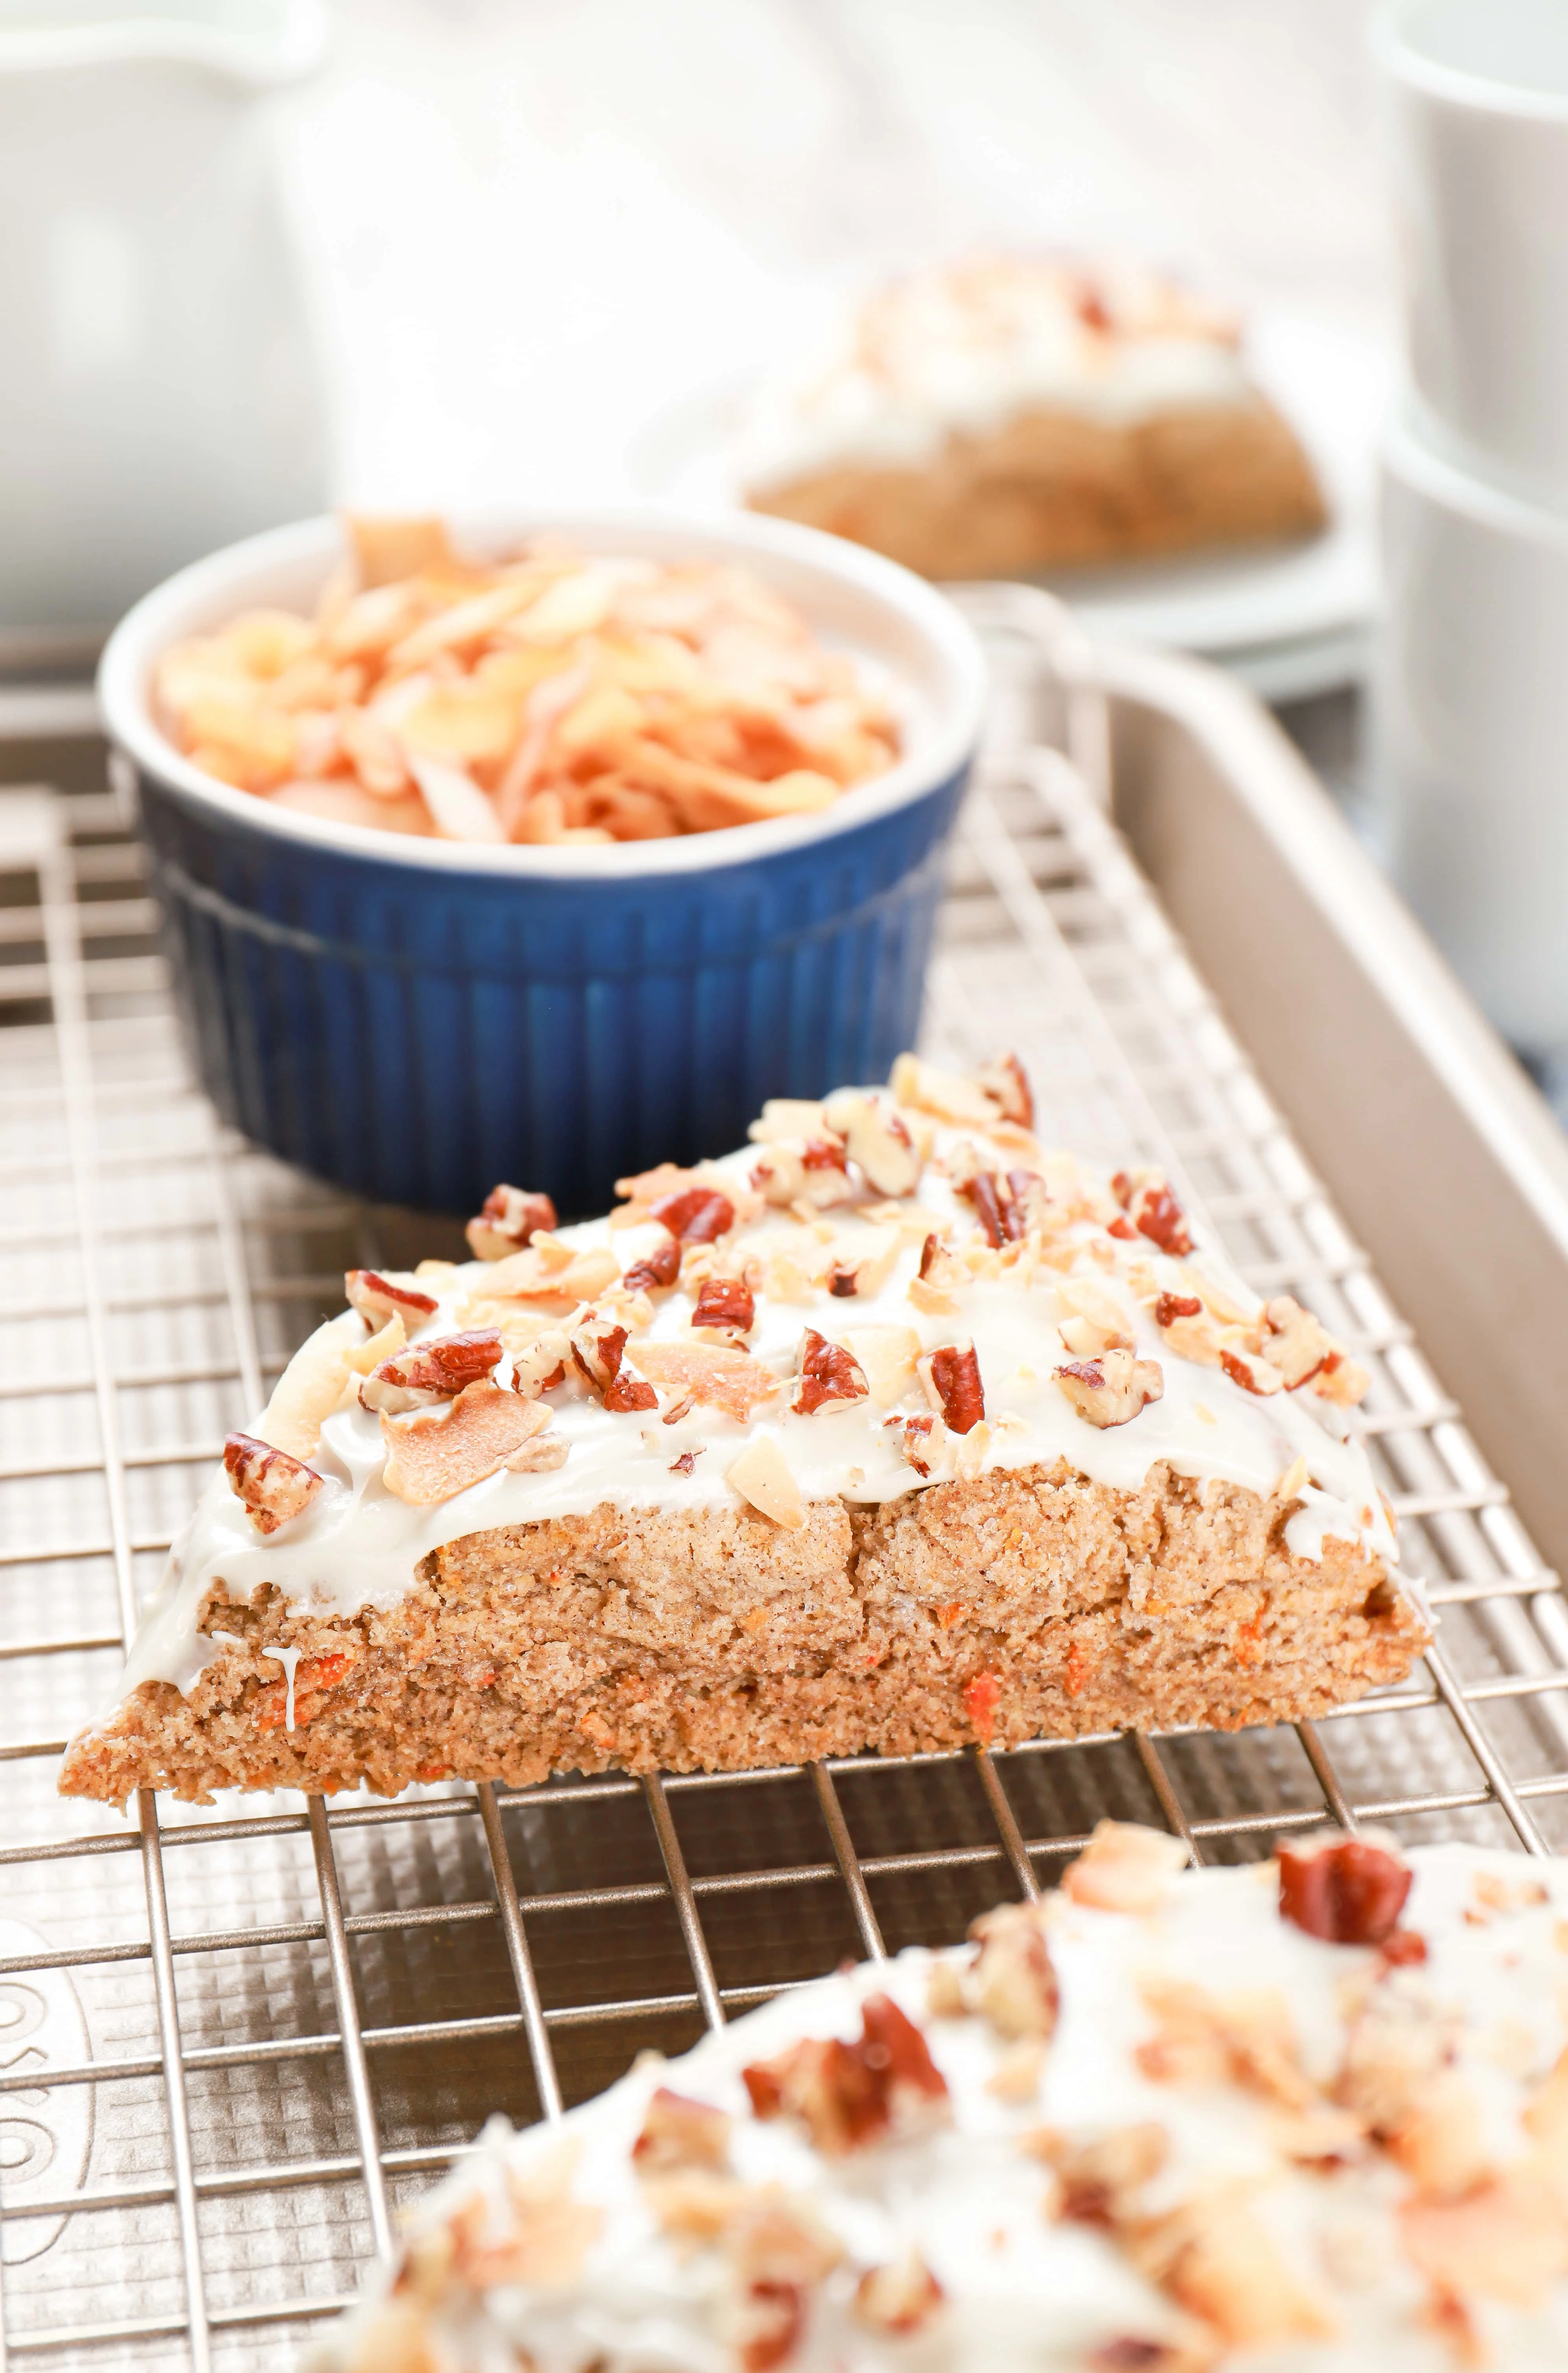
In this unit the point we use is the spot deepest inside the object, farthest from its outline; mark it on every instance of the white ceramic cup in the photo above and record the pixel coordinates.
(1471, 731)
(1477, 118)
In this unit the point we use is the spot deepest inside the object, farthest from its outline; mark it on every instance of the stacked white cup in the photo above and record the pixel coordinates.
(1471, 693)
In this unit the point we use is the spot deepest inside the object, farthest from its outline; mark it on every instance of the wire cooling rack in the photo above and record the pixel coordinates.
(233, 2041)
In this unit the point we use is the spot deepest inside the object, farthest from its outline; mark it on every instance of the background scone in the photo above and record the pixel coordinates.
(894, 1431)
(1312, 2115)
(1014, 412)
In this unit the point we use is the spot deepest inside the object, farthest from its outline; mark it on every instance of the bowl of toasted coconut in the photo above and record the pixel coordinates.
(544, 848)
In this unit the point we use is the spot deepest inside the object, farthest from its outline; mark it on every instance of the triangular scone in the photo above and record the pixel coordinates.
(1311, 2114)
(894, 1430)
(1012, 413)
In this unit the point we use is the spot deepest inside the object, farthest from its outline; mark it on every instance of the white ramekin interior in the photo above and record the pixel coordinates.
(853, 599)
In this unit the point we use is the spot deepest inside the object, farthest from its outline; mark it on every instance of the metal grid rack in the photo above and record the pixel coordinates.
(233, 2039)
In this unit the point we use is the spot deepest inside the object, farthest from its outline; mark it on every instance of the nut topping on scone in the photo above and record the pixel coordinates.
(1349, 1890)
(431, 1372)
(274, 1487)
(884, 2086)
(378, 1297)
(951, 1378)
(1112, 1390)
(827, 1375)
(509, 1219)
(945, 1384)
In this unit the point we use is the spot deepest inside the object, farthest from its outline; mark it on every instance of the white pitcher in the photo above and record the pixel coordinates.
(158, 391)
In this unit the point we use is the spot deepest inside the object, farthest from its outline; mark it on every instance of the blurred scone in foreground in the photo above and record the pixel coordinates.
(1004, 414)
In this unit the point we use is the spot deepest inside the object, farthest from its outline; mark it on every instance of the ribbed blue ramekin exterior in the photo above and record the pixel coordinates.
(417, 1034)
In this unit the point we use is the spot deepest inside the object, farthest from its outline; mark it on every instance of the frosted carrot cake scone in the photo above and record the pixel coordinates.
(1310, 2116)
(894, 1430)
(1014, 412)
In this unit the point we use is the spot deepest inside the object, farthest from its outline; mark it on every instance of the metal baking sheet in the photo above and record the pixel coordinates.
(233, 2040)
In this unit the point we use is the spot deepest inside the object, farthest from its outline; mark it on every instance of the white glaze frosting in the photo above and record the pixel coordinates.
(359, 1545)
(1025, 2289)
(963, 349)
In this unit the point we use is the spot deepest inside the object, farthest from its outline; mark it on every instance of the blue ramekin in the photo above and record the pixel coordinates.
(418, 1018)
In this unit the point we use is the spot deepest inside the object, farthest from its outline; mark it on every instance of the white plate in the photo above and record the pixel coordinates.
(1310, 602)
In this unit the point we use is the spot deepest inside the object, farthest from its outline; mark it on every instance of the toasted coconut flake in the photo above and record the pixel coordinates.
(310, 1386)
(538, 1274)
(708, 1373)
(1125, 1867)
(680, 2132)
(434, 1454)
(379, 1347)
(761, 1475)
(945, 1094)
(274, 1487)
(1013, 1982)
(877, 1138)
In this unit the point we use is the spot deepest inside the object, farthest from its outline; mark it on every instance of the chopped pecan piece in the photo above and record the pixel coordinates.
(1187, 1328)
(697, 1215)
(1007, 1084)
(508, 1220)
(899, 2298)
(1347, 1890)
(597, 1352)
(952, 1374)
(1171, 1306)
(766, 2319)
(1146, 1197)
(882, 2087)
(942, 1275)
(815, 1171)
(877, 1140)
(995, 1215)
(922, 1439)
(725, 1306)
(657, 1270)
(1125, 1867)
(678, 2132)
(828, 1375)
(431, 1372)
(1250, 1370)
(1013, 1982)
(433, 1454)
(1113, 1389)
(1098, 2178)
(274, 1487)
(1341, 1380)
(376, 1297)
(540, 1365)
(864, 1264)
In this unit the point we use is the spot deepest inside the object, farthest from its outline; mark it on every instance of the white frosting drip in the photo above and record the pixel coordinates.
(358, 1546)
(964, 349)
(1024, 2292)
